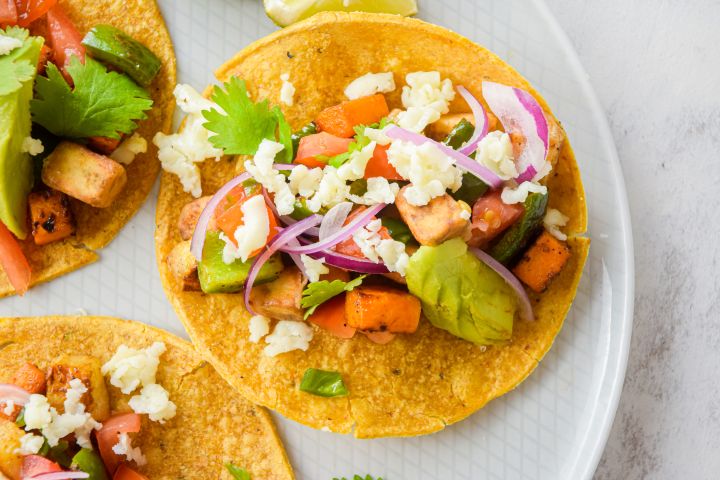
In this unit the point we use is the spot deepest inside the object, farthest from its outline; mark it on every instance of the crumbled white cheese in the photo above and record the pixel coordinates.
(130, 368)
(495, 151)
(30, 444)
(132, 454)
(332, 190)
(519, 194)
(305, 181)
(251, 235)
(287, 91)
(33, 146)
(9, 408)
(374, 247)
(429, 170)
(426, 97)
(8, 44)
(393, 255)
(128, 149)
(259, 327)
(370, 84)
(377, 135)
(554, 219)
(379, 190)
(37, 412)
(155, 401)
(76, 389)
(465, 214)
(54, 427)
(314, 267)
(354, 167)
(261, 169)
(179, 152)
(287, 336)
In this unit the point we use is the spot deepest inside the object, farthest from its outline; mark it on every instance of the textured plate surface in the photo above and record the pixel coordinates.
(555, 424)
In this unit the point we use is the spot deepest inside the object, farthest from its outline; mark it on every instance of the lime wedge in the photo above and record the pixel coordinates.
(286, 12)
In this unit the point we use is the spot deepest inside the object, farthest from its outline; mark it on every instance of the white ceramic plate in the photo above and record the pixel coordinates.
(554, 426)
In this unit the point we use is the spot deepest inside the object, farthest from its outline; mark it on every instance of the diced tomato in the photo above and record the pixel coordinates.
(229, 219)
(349, 247)
(35, 465)
(321, 143)
(381, 338)
(108, 435)
(46, 54)
(126, 473)
(65, 39)
(379, 166)
(330, 316)
(104, 145)
(8, 12)
(491, 217)
(30, 10)
(13, 261)
(340, 120)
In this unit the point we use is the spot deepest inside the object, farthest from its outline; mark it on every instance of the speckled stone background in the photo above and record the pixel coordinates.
(656, 68)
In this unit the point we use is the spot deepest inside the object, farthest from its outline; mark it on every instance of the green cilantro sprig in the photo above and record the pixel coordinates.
(237, 472)
(323, 383)
(317, 293)
(101, 103)
(15, 67)
(358, 477)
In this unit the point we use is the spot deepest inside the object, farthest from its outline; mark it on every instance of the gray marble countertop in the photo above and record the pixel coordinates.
(655, 65)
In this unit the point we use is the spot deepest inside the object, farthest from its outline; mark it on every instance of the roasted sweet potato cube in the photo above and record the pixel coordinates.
(10, 460)
(183, 265)
(51, 217)
(542, 262)
(31, 379)
(382, 309)
(280, 299)
(432, 224)
(83, 174)
(189, 216)
(86, 369)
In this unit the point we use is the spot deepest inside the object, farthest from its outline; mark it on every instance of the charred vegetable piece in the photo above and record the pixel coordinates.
(382, 309)
(491, 217)
(379, 165)
(441, 219)
(184, 266)
(10, 462)
(115, 47)
(86, 369)
(341, 119)
(104, 145)
(459, 134)
(330, 316)
(30, 378)
(189, 216)
(91, 178)
(308, 129)
(517, 237)
(542, 262)
(444, 127)
(280, 299)
(556, 138)
(89, 462)
(323, 383)
(472, 187)
(218, 277)
(397, 229)
(51, 217)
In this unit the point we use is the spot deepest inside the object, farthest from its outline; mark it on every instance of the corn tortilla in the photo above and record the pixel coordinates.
(213, 425)
(418, 383)
(96, 227)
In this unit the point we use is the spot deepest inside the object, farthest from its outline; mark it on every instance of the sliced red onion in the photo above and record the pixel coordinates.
(287, 220)
(526, 311)
(481, 122)
(13, 393)
(462, 161)
(198, 238)
(280, 240)
(60, 476)
(346, 262)
(334, 220)
(519, 112)
(358, 222)
(296, 258)
(269, 202)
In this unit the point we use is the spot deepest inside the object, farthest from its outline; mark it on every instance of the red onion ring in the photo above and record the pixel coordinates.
(13, 393)
(60, 476)
(519, 112)
(463, 161)
(526, 311)
(281, 239)
(334, 219)
(347, 262)
(325, 244)
(479, 114)
(287, 220)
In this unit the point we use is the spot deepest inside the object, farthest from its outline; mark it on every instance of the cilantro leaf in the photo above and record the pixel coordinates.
(284, 137)
(358, 477)
(102, 103)
(239, 473)
(244, 124)
(317, 293)
(323, 383)
(15, 67)
(361, 141)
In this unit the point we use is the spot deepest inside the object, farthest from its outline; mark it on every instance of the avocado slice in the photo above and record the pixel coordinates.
(218, 277)
(516, 238)
(16, 168)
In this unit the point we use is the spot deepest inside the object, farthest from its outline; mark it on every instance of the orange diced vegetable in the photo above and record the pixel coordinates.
(233, 217)
(490, 217)
(379, 166)
(30, 10)
(104, 145)
(348, 246)
(50, 216)
(331, 317)
(542, 262)
(382, 309)
(65, 39)
(108, 436)
(340, 119)
(8, 12)
(30, 378)
(13, 261)
(318, 144)
(335, 274)
(46, 54)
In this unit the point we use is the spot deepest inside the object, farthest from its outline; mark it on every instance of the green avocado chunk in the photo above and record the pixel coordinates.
(16, 168)
(461, 294)
(115, 47)
(516, 238)
(89, 462)
(218, 277)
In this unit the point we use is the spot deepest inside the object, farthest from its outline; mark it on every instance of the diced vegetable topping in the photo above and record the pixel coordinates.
(323, 383)
(65, 39)
(330, 316)
(514, 240)
(13, 261)
(237, 472)
(317, 293)
(317, 145)
(50, 216)
(382, 309)
(542, 262)
(342, 119)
